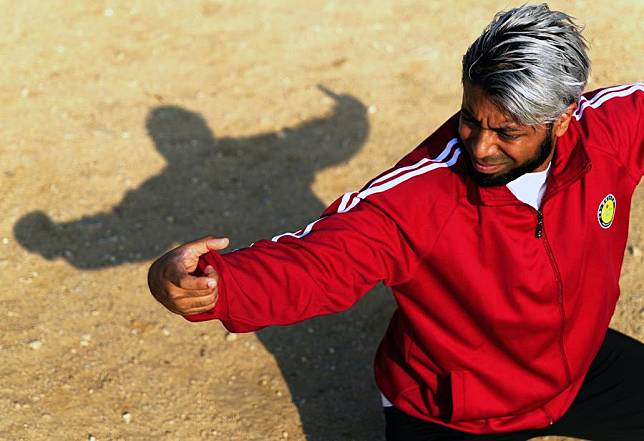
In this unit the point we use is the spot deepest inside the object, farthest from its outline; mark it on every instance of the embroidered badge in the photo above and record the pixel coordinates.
(606, 211)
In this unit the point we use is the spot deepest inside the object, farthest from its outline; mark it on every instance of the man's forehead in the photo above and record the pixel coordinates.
(476, 101)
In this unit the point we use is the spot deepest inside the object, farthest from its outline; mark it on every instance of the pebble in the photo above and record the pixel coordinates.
(372, 109)
(285, 434)
(127, 417)
(35, 344)
(85, 339)
(91, 437)
(231, 337)
(634, 251)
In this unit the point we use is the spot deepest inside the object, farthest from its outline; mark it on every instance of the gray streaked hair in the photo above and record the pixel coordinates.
(531, 62)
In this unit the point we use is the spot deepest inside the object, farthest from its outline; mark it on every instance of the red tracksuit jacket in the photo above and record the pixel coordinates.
(501, 308)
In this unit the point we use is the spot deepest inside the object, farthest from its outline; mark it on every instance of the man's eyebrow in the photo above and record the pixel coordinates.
(502, 128)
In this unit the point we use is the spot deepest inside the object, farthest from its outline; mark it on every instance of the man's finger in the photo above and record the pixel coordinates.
(188, 303)
(203, 245)
(189, 253)
(198, 304)
(194, 283)
(198, 310)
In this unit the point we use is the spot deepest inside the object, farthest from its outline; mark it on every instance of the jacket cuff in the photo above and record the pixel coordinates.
(220, 311)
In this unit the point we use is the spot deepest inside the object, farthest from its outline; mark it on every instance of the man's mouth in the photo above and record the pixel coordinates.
(486, 168)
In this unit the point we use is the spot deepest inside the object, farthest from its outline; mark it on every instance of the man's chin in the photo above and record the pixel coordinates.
(492, 179)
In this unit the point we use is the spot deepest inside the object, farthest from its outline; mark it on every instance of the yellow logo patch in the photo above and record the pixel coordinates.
(606, 211)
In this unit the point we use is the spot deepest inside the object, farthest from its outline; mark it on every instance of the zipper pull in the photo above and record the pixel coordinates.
(539, 231)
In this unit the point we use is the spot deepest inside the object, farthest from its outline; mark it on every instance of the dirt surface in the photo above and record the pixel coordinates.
(131, 126)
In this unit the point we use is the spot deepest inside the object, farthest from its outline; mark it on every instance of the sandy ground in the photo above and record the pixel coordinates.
(131, 126)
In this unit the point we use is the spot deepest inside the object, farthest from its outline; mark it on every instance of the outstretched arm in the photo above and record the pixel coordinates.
(322, 269)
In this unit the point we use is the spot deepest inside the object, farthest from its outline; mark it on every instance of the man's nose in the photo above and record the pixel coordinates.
(483, 144)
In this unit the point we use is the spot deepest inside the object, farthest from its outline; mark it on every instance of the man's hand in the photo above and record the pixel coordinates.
(172, 285)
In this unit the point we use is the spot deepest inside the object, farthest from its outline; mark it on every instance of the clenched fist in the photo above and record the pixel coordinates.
(171, 283)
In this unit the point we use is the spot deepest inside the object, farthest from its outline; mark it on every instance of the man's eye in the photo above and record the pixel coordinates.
(508, 136)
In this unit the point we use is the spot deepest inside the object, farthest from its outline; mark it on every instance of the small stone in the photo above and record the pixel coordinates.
(91, 437)
(285, 434)
(165, 331)
(634, 251)
(372, 109)
(35, 344)
(231, 337)
(5, 240)
(24, 92)
(127, 417)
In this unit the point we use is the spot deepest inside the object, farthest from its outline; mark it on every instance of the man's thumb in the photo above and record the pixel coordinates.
(217, 243)
(205, 244)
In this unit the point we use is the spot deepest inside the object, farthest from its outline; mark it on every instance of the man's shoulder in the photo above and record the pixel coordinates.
(433, 169)
(609, 100)
(435, 146)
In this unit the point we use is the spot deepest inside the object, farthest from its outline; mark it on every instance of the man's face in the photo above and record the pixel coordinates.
(500, 149)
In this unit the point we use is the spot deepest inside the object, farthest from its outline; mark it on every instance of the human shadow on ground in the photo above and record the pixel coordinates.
(245, 188)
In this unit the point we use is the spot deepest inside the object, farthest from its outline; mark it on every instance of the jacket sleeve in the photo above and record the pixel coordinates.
(323, 269)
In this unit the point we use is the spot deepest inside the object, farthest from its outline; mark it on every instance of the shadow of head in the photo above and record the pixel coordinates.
(178, 133)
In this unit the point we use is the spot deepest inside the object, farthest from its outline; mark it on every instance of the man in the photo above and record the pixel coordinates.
(501, 236)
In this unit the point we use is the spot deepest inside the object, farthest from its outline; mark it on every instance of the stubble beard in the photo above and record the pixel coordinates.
(493, 180)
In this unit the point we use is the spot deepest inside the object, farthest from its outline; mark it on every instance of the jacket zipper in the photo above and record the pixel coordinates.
(539, 230)
(541, 233)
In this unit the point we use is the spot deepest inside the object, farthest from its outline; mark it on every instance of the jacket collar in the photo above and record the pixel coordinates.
(570, 163)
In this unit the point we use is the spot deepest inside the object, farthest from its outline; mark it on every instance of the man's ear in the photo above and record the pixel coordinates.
(562, 123)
